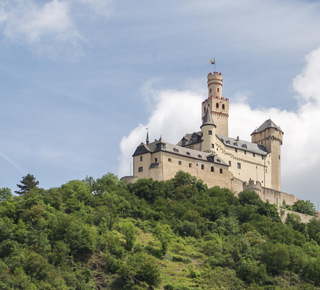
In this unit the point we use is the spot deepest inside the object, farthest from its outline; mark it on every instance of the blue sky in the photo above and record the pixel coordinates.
(82, 79)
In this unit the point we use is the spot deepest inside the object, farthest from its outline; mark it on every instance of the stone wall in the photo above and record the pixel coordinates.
(268, 194)
(283, 213)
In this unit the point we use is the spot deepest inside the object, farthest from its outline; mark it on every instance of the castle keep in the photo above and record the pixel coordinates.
(219, 160)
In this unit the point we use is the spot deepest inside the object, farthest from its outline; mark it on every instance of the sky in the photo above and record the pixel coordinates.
(81, 80)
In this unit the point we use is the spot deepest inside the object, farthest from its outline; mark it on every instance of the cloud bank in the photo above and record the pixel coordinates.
(49, 27)
(178, 112)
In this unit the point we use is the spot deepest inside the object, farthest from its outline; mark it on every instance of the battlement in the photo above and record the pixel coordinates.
(215, 73)
(253, 186)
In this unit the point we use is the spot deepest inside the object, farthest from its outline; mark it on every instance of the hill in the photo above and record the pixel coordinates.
(175, 234)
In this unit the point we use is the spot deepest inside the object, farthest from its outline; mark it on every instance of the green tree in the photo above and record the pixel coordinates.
(5, 193)
(129, 232)
(28, 182)
(164, 234)
(306, 207)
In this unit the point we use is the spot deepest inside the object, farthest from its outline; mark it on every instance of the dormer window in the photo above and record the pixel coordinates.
(200, 156)
(244, 145)
(228, 142)
(235, 144)
(176, 150)
(188, 153)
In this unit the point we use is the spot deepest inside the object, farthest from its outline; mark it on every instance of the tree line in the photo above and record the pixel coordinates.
(177, 234)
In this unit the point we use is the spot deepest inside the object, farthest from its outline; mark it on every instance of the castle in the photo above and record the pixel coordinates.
(219, 160)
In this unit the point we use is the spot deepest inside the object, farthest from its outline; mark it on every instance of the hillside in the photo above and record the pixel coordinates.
(173, 235)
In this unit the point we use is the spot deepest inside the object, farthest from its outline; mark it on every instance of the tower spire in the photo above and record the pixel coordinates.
(147, 138)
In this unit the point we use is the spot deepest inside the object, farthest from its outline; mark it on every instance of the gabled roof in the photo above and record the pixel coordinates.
(243, 145)
(160, 145)
(266, 125)
(190, 139)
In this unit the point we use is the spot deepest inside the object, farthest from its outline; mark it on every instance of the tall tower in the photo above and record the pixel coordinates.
(208, 129)
(219, 105)
(270, 136)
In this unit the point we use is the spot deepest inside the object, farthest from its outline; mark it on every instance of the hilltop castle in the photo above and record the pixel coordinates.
(219, 160)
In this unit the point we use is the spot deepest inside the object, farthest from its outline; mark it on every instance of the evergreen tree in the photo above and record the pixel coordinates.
(28, 182)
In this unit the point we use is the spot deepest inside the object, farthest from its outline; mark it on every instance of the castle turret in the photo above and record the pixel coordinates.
(208, 129)
(218, 104)
(270, 136)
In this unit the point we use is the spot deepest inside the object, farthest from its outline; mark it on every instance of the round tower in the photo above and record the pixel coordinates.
(218, 104)
(208, 129)
(215, 82)
(270, 136)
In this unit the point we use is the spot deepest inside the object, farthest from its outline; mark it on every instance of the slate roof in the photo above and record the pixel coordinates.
(243, 145)
(191, 138)
(267, 124)
(159, 145)
(207, 120)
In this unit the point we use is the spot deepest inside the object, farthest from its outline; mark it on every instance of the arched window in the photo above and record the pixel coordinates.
(217, 105)
(223, 107)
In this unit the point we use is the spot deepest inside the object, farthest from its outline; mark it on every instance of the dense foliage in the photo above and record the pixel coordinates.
(176, 234)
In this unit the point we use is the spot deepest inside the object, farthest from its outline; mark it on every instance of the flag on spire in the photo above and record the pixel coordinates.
(213, 61)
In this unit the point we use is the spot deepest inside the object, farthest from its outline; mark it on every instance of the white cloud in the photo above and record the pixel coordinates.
(29, 21)
(178, 112)
(48, 28)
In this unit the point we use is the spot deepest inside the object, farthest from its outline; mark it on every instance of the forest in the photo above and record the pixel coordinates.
(174, 235)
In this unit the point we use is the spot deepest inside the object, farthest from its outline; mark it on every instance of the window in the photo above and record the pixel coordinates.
(188, 153)
(217, 105)
(202, 166)
(212, 145)
(200, 156)
(210, 91)
(141, 158)
(236, 150)
(140, 169)
(212, 169)
(221, 171)
(218, 90)
(190, 165)
(254, 155)
(223, 107)
(210, 132)
(169, 159)
(230, 163)
(239, 165)
(156, 160)
(175, 150)
(245, 152)
(180, 162)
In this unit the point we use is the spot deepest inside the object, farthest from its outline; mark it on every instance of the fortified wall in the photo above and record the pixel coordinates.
(268, 194)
